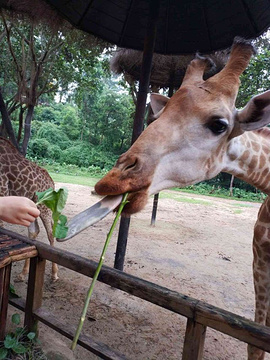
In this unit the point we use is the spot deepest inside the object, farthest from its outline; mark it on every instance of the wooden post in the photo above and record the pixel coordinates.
(34, 292)
(154, 211)
(4, 292)
(194, 341)
(138, 123)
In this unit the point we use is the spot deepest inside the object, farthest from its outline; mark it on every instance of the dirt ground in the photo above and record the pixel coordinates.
(200, 246)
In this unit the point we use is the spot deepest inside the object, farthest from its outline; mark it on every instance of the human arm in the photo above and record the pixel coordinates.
(18, 210)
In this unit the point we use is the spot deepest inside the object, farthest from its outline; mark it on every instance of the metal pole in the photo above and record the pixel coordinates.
(154, 211)
(138, 123)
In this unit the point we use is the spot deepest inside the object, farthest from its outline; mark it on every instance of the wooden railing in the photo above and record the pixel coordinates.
(200, 315)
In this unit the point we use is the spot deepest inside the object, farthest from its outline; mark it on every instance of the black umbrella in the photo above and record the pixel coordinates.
(183, 26)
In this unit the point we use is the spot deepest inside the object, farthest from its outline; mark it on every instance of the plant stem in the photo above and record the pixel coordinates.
(101, 260)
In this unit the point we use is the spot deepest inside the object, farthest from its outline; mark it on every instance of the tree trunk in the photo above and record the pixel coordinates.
(27, 128)
(6, 121)
(20, 124)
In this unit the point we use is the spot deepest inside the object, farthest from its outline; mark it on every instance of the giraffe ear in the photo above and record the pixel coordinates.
(158, 102)
(256, 113)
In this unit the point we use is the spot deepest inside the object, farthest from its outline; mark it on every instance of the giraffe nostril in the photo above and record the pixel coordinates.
(131, 166)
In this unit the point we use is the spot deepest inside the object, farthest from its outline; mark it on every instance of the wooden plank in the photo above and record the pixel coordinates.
(4, 283)
(20, 249)
(34, 292)
(234, 325)
(4, 260)
(10, 242)
(194, 341)
(24, 255)
(18, 303)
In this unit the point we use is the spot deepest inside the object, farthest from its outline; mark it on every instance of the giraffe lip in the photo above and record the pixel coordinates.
(91, 215)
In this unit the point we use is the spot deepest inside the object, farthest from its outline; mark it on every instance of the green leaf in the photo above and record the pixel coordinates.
(56, 201)
(19, 349)
(61, 228)
(12, 293)
(9, 341)
(44, 195)
(16, 319)
(19, 331)
(31, 335)
(3, 353)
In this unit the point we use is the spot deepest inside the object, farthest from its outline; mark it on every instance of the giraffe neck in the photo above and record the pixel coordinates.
(248, 158)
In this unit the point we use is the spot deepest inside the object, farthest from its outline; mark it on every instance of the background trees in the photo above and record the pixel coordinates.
(37, 61)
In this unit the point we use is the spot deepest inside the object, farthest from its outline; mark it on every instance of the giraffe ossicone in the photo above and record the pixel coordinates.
(198, 134)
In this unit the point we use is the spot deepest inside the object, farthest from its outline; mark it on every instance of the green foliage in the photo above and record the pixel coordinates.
(53, 134)
(107, 117)
(54, 152)
(56, 201)
(84, 154)
(12, 292)
(20, 342)
(39, 148)
(255, 78)
(204, 188)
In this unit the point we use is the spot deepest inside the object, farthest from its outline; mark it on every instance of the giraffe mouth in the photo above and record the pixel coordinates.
(136, 202)
(117, 183)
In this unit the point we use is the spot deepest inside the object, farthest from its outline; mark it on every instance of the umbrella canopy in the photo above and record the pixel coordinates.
(183, 27)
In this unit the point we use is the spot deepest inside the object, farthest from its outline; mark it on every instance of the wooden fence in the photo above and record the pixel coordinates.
(200, 315)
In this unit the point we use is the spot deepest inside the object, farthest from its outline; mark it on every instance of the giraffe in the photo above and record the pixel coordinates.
(197, 134)
(21, 177)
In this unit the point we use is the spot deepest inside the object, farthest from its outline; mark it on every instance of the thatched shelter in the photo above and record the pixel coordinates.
(167, 70)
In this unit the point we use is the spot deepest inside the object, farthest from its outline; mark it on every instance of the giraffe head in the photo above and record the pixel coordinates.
(188, 141)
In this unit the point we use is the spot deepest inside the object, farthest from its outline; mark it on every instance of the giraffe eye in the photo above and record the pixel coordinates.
(218, 126)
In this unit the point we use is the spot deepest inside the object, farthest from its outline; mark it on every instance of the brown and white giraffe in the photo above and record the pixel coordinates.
(21, 177)
(198, 134)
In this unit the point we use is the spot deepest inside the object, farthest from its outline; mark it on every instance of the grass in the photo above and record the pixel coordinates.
(248, 196)
(74, 179)
(241, 205)
(183, 199)
(237, 211)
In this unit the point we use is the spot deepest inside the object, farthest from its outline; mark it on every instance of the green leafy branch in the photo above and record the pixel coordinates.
(101, 260)
(56, 201)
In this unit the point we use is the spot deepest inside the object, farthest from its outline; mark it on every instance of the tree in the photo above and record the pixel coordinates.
(37, 61)
(256, 78)
(108, 117)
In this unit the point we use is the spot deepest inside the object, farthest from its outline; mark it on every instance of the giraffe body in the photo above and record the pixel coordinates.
(197, 134)
(21, 177)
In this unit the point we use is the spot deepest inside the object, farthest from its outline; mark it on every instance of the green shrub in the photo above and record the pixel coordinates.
(54, 135)
(21, 344)
(54, 152)
(86, 155)
(38, 148)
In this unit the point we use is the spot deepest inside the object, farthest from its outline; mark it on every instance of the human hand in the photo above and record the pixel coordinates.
(18, 210)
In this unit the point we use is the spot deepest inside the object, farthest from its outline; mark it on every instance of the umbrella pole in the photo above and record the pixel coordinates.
(156, 197)
(138, 124)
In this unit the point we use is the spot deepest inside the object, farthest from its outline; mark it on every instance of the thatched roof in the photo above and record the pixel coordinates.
(167, 70)
(36, 10)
